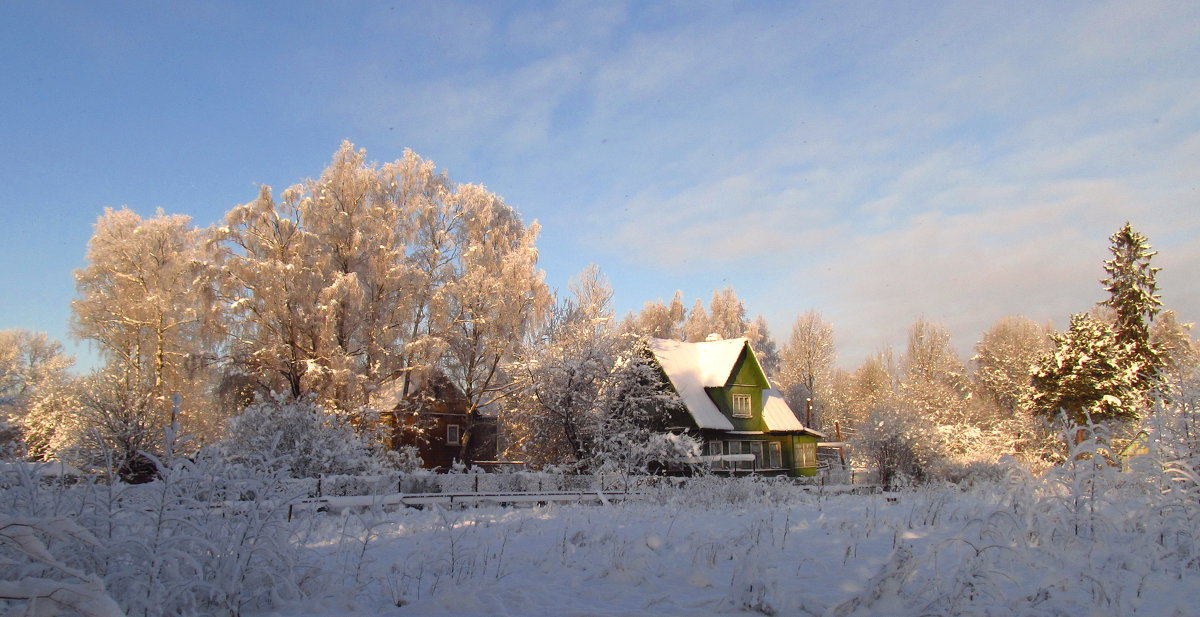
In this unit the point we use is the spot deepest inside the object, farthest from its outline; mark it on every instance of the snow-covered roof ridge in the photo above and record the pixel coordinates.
(692, 367)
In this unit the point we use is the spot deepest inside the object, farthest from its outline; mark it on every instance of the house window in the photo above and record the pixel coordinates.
(713, 448)
(738, 447)
(805, 453)
(452, 434)
(741, 406)
(756, 448)
(776, 455)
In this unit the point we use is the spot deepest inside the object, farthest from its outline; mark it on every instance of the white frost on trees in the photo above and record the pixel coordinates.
(145, 300)
(564, 370)
(806, 364)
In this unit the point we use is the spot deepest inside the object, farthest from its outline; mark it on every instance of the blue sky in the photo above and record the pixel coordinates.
(877, 162)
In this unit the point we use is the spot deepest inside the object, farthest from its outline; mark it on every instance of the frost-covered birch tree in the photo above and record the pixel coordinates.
(1179, 352)
(935, 388)
(697, 326)
(496, 293)
(1004, 359)
(354, 281)
(658, 320)
(33, 379)
(806, 362)
(565, 370)
(145, 300)
(759, 336)
(269, 290)
(727, 314)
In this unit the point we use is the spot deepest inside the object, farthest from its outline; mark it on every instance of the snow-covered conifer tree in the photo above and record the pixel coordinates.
(1090, 374)
(1133, 296)
(639, 409)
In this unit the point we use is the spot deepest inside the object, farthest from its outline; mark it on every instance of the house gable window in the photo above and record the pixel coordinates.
(452, 434)
(741, 406)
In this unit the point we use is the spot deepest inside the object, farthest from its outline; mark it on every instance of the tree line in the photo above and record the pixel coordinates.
(328, 303)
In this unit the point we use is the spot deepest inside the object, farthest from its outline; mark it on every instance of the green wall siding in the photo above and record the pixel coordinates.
(747, 378)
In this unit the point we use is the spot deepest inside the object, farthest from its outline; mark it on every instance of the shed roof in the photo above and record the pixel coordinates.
(779, 415)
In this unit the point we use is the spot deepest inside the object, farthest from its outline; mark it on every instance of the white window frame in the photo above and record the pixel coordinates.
(456, 431)
(746, 410)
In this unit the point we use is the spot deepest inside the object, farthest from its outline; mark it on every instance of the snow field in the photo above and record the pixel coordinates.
(214, 539)
(1030, 547)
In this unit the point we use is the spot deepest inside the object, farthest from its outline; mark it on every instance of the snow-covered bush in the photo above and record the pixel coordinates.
(889, 444)
(31, 574)
(206, 538)
(209, 537)
(298, 434)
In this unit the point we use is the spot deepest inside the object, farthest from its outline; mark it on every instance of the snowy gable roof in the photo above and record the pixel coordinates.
(692, 367)
(779, 415)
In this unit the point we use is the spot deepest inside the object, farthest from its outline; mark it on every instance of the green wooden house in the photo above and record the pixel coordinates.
(744, 423)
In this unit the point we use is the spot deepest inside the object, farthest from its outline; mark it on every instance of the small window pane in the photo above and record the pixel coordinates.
(805, 454)
(741, 406)
(776, 455)
(452, 434)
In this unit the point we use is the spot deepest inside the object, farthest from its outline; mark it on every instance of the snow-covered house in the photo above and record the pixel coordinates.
(732, 407)
(434, 418)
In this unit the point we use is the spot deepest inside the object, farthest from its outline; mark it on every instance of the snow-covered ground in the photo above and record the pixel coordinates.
(1084, 539)
(1022, 546)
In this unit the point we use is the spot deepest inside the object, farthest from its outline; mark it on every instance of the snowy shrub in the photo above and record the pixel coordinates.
(32, 575)
(298, 434)
(890, 447)
(208, 538)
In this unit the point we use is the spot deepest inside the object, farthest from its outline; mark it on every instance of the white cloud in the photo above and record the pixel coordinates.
(959, 163)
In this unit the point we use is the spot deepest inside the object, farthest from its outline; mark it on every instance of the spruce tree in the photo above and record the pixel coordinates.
(1134, 299)
(1090, 374)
